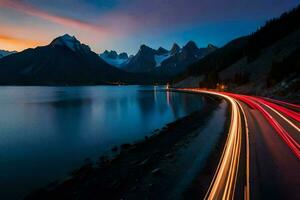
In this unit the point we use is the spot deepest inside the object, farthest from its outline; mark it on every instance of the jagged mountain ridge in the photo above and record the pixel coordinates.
(65, 61)
(168, 62)
(171, 62)
(4, 53)
(115, 59)
(181, 58)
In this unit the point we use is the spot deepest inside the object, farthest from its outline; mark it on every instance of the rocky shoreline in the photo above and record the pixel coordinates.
(149, 169)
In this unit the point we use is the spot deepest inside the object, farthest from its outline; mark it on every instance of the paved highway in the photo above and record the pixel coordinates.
(261, 156)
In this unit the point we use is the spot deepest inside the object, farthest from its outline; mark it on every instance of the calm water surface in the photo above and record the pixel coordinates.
(46, 132)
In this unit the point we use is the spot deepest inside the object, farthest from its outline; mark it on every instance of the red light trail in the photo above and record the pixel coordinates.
(252, 102)
(284, 103)
(275, 112)
(288, 112)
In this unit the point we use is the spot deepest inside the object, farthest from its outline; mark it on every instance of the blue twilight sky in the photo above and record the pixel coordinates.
(124, 25)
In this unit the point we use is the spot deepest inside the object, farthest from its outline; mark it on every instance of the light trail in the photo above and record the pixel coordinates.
(284, 103)
(292, 114)
(276, 110)
(224, 181)
(292, 144)
(247, 186)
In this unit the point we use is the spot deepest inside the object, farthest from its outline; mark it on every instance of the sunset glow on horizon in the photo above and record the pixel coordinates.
(17, 44)
(123, 26)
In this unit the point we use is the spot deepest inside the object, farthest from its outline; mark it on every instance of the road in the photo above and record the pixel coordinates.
(261, 156)
(274, 167)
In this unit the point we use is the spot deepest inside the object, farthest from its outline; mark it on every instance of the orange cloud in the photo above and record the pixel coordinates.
(62, 20)
(13, 43)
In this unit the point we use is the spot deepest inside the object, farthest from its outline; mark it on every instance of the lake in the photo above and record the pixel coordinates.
(46, 132)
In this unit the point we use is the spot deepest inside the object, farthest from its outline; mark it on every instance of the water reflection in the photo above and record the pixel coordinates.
(47, 131)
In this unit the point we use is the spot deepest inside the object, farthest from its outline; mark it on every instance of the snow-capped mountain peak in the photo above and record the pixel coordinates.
(171, 61)
(160, 58)
(115, 59)
(71, 42)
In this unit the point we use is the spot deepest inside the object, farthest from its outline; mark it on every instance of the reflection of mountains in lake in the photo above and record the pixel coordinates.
(81, 121)
(162, 101)
(112, 103)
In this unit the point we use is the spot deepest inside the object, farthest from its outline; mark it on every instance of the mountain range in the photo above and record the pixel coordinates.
(265, 62)
(65, 61)
(158, 61)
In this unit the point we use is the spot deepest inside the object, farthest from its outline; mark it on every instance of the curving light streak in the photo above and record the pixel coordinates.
(284, 103)
(275, 109)
(224, 181)
(292, 114)
(247, 186)
(292, 144)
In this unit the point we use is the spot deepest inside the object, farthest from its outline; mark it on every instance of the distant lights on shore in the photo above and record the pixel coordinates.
(168, 86)
(221, 86)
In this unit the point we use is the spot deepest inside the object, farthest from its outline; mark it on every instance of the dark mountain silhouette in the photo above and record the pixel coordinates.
(110, 54)
(181, 58)
(161, 51)
(219, 59)
(6, 53)
(123, 55)
(168, 63)
(288, 67)
(65, 61)
(255, 63)
(143, 61)
(274, 30)
(175, 49)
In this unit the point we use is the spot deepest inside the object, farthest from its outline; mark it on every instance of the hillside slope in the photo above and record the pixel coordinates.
(249, 64)
(254, 77)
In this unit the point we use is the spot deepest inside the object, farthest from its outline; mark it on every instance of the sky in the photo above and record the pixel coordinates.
(123, 25)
